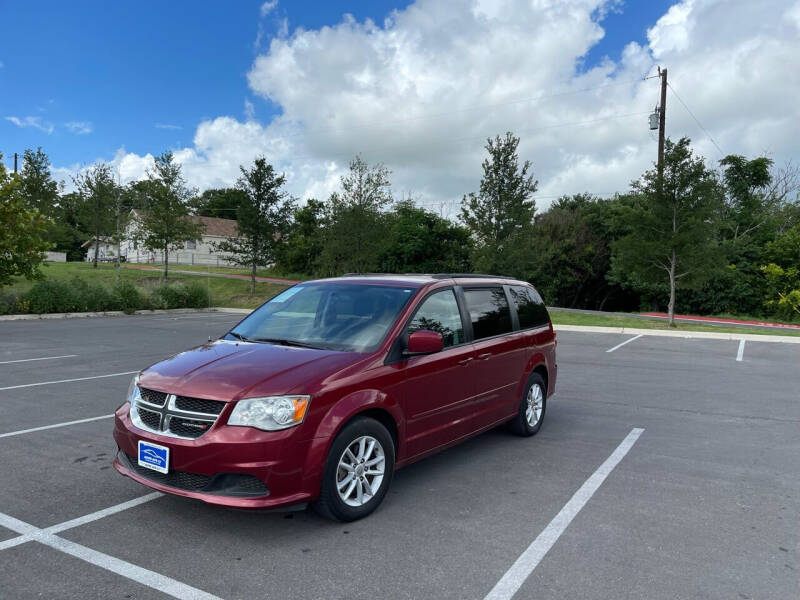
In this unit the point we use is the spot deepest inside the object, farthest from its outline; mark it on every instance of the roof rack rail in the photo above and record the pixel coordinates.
(470, 276)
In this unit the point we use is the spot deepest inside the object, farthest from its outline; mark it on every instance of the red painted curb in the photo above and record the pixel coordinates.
(721, 320)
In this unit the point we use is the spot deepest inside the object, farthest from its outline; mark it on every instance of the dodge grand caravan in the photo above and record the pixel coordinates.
(322, 392)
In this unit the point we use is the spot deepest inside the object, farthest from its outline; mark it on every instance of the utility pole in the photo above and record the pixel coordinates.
(662, 121)
(15, 162)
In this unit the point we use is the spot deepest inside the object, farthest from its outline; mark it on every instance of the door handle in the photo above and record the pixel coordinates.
(465, 361)
(485, 355)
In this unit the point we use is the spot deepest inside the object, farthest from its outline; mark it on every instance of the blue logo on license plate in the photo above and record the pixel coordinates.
(153, 456)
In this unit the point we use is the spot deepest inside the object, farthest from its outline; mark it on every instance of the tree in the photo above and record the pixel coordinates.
(355, 223)
(99, 194)
(501, 213)
(669, 219)
(569, 254)
(37, 187)
(303, 245)
(221, 203)
(262, 219)
(420, 241)
(22, 229)
(165, 223)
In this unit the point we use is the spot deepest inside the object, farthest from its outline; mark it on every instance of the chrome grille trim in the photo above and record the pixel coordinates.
(166, 413)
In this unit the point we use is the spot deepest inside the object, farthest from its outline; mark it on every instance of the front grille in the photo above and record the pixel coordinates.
(153, 397)
(175, 416)
(224, 484)
(190, 428)
(149, 418)
(183, 480)
(200, 405)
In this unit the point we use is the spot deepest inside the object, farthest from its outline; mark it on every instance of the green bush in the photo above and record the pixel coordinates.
(49, 296)
(78, 295)
(129, 298)
(183, 295)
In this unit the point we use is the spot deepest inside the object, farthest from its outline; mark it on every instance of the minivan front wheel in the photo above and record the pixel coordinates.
(532, 407)
(358, 471)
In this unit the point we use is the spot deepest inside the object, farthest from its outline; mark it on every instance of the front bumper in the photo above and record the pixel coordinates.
(240, 467)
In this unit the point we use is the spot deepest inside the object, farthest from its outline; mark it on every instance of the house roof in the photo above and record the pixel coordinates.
(214, 227)
(103, 240)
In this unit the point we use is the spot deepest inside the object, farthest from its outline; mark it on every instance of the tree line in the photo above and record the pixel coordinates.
(691, 237)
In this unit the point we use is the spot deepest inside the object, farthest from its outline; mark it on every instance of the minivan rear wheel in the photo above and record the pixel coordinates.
(532, 407)
(358, 471)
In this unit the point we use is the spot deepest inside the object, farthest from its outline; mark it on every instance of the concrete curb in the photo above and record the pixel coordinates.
(750, 337)
(119, 313)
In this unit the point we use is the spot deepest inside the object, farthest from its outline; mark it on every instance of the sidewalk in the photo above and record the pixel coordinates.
(220, 275)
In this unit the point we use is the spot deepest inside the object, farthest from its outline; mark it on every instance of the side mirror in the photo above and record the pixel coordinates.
(424, 341)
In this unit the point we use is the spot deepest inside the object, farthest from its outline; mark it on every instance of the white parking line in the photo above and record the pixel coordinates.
(513, 579)
(8, 362)
(43, 427)
(35, 533)
(636, 337)
(47, 536)
(740, 353)
(16, 387)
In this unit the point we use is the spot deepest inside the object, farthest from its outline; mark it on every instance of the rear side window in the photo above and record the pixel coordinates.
(439, 312)
(488, 311)
(530, 307)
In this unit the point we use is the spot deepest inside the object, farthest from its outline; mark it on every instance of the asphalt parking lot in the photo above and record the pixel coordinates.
(665, 468)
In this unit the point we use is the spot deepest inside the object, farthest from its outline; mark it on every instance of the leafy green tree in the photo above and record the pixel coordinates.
(419, 241)
(22, 230)
(569, 255)
(671, 231)
(355, 222)
(165, 225)
(99, 194)
(219, 202)
(501, 214)
(37, 187)
(262, 219)
(303, 245)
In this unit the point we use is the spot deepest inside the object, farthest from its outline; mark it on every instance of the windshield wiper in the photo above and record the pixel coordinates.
(285, 342)
(239, 336)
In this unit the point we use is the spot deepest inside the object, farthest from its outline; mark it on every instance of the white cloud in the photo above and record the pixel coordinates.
(79, 127)
(422, 91)
(167, 126)
(35, 122)
(249, 110)
(268, 7)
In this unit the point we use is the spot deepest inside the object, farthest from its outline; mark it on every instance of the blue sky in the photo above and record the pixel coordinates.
(220, 83)
(143, 79)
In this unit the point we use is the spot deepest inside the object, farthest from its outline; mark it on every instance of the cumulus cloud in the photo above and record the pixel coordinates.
(35, 122)
(422, 91)
(79, 127)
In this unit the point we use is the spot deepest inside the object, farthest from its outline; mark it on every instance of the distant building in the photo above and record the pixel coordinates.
(107, 250)
(194, 252)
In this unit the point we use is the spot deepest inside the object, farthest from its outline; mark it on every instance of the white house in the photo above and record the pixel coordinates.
(194, 252)
(107, 250)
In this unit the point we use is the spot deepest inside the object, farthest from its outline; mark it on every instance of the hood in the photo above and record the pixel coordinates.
(227, 370)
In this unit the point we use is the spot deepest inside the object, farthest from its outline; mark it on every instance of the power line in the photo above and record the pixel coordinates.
(700, 125)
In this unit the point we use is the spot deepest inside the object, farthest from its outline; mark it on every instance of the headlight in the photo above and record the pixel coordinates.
(133, 392)
(270, 414)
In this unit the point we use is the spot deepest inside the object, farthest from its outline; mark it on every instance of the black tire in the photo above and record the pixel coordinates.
(520, 425)
(330, 504)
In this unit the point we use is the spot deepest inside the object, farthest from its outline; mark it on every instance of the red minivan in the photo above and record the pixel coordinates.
(322, 392)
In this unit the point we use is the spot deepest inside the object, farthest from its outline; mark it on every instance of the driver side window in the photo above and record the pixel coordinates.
(439, 312)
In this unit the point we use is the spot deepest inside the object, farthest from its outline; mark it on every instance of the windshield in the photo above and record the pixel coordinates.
(333, 316)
